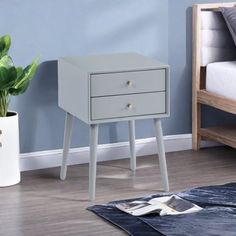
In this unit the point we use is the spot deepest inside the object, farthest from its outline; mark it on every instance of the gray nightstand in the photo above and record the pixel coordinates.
(111, 88)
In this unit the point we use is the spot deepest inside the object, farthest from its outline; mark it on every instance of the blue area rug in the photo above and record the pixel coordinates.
(218, 218)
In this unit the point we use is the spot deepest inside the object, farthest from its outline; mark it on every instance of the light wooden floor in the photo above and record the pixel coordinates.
(42, 205)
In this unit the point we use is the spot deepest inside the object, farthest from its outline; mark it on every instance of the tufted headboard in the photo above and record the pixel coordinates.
(216, 41)
(212, 41)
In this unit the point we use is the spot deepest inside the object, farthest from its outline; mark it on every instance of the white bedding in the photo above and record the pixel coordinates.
(221, 79)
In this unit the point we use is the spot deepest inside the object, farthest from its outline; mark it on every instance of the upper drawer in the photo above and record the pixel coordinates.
(127, 82)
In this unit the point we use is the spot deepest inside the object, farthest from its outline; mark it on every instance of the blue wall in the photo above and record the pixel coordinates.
(51, 29)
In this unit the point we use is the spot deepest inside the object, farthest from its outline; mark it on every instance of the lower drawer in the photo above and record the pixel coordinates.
(128, 105)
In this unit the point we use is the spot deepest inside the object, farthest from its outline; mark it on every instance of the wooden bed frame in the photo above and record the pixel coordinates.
(222, 134)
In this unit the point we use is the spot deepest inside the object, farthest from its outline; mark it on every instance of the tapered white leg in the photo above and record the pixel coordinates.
(66, 144)
(162, 155)
(93, 160)
(132, 145)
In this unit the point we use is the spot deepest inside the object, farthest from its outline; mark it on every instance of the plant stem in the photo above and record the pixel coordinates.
(4, 99)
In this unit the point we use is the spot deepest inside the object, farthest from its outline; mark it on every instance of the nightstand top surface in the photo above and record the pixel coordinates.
(114, 62)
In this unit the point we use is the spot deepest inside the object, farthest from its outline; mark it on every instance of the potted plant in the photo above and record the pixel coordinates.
(13, 81)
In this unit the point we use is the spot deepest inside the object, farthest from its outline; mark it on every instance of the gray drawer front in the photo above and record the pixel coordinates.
(128, 105)
(127, 82)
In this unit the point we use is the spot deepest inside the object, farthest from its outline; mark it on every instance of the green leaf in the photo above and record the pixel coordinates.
(6, 62)
(7, 77)
(19, 71)
(8, 73)
(21, 89)
(23, 78)
(5, 43)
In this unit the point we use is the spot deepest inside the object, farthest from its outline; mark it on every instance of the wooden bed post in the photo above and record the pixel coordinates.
(196, 107)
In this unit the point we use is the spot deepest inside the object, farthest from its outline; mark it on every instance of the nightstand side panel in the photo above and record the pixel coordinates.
(73, 90)
(167, 91)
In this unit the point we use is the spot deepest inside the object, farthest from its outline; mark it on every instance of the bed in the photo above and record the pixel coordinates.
(214, 72)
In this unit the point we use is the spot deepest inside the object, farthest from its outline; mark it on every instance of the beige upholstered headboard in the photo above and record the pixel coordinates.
(216, 42)
(212, 41)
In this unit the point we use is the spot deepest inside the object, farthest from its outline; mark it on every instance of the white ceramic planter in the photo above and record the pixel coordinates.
(9, 150)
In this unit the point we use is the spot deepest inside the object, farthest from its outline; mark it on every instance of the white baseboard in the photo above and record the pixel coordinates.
(114, 151)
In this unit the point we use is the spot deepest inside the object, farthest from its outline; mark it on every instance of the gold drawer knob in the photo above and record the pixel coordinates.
(129, 106)
(129, 83)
